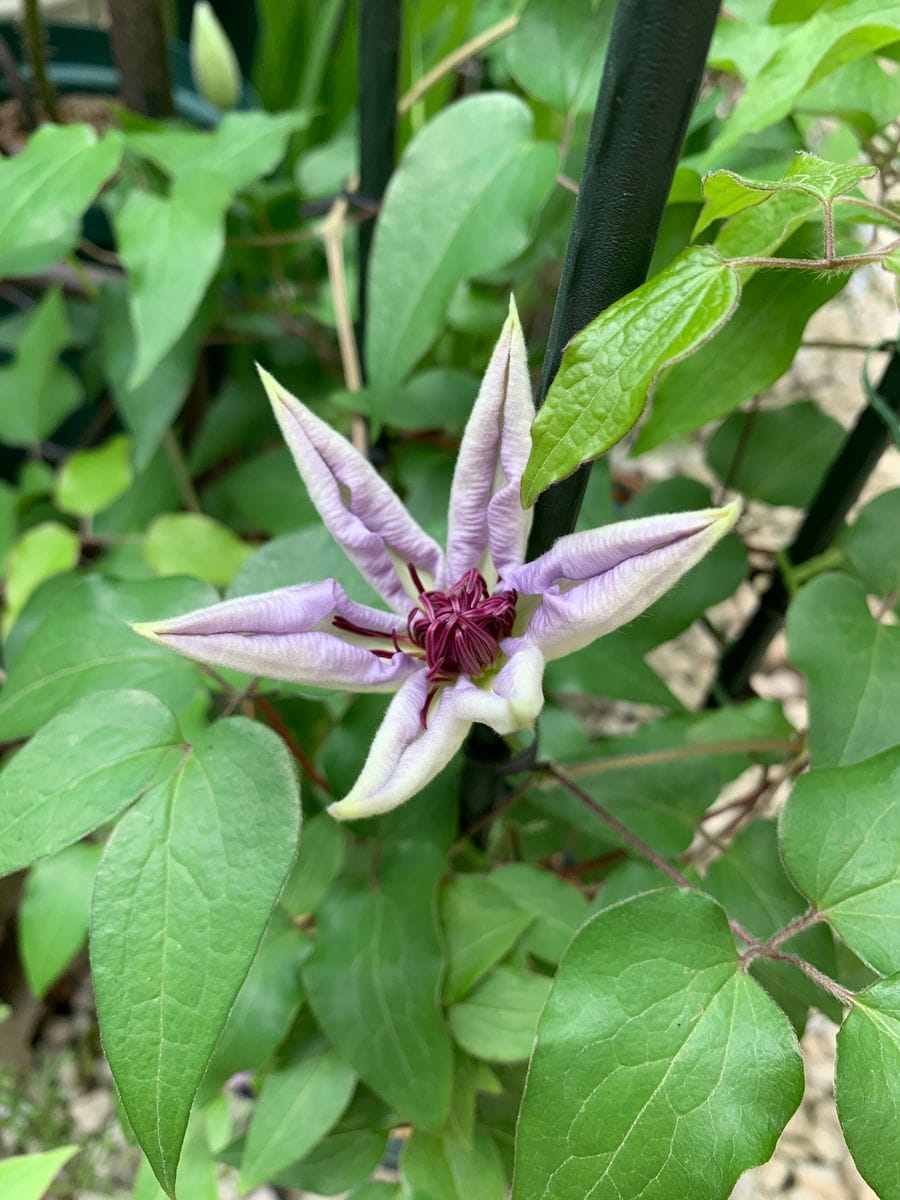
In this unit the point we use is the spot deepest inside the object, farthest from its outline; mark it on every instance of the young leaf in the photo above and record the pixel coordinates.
(497, 1020)
(840, 842)
(373, 982)
(81, 770)
(460, 203)
(347, 1155)
(481, 924)
(834, 35)
(45, 189)
(660, 1068)
(726, 193)
(867, 1085)
(441, 1169)
(852, 667)
(298, 1105)
(28, 1176)
(194, 544)
(872, 543)
(90, 480)
(45, 550)
(749, 451)
(609, 368)
(36, 391)
(54, 913)
(171, 248)
(183, 895)
(556, 51)
(557, 907)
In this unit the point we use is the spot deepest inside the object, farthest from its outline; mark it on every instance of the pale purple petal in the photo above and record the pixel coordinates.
(487, 522)
(589, 584)
(364, 516)
(404, 757)
(514, 698)
(289, 634)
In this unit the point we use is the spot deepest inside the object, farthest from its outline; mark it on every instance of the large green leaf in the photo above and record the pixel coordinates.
(497, 1020)
(373, 982)
(80, 770)
(54, 913)
(443, 1169)
(184, 891)
(460, 203)
(481, 924)
(171, 248)
(749, 450)
(872, 543)
(867, 1085)
(36, 391)
(852, 667)
(608, 369)
(298, 1105)
(840, 841)
(556, 52)
(840, 32)
(73, 638)
(45, 189)
(28, 1176)
(661, 1069)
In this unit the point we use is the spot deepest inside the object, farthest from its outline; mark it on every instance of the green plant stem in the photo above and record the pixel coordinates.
(139, 47)
(654, 67)
(379, 60)
(181, 473)
(37, 54)
(846, 262)
(862, 449)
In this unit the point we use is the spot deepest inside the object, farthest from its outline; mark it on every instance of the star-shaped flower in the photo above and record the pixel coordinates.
(468, 633)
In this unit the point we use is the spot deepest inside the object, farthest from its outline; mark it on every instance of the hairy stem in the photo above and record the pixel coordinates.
(846, 262)
(37, 55)
(819, 978)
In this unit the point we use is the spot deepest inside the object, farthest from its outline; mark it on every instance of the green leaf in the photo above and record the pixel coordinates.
(872, 543)
(497, 1020)
(184, 891)
(481, 924)
(749, 451)
(90, 480)
(149, 409)
(373, 982)
(28, 1176)
(349, 1154)
(243, 147)
(45, 550)
(54, 913)
(171, 248)
(837, 34)
(726, 193)
(460, 203)
(81, 770)
(761, 230)
(608, 369)
(840, 841)
(660, 1069)
(377, 1189)
(36, 391)
(298, 1105)
(441, 1169)
(318, 863)
(557, 50)
(262, 493)
(194, 544)
(867, 1085)
(58, 652)
(301, 557)
(852, 668)
(45, 189)
(557, 907)
(745, 358)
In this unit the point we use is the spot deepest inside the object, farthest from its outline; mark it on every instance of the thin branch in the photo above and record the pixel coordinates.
(828, 228)
(677, 754)
(881, 209)
(455, 59)
(189, 497)
(828, 344)
(37, 54)
(331, 230)
(488, 818)
(818, 977)
(631, 839)
(16, 84)
(238, 697)
(846, 262)
(274, 721)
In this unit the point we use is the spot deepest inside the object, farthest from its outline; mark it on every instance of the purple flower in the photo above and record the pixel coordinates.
(468, 632)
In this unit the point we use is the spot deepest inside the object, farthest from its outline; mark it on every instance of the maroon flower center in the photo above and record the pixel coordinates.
(460, 630)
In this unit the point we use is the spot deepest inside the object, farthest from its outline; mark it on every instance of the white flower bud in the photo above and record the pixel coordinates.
(213, 62)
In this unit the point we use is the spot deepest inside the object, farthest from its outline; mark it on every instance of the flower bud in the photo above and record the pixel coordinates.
(214, 65)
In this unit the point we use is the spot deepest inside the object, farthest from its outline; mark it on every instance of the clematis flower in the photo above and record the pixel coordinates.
(466, 634)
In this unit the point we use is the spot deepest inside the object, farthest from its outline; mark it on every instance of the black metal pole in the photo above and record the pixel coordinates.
(379, 61)
(653, 71)
(846, 476)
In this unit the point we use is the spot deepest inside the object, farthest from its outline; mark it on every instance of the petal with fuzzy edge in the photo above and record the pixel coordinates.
(514, 699)
(362, 513)
(288, 634)
(486, 512)
(404, 757)
(588, 584)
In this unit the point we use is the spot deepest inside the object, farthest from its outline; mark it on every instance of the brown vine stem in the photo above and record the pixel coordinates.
(847, 262)
(631, 839)
(677, 754)
(825, 982)
(37, 53)
(455, 59)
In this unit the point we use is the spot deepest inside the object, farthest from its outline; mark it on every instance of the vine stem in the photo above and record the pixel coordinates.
(331, 231)
(678, 754)
(454, 59)
(181, 472)
(825, 982)
(37, 53)
(846, 262)
(16, 84)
